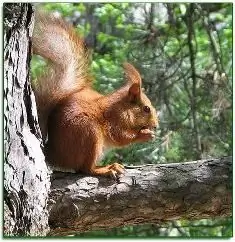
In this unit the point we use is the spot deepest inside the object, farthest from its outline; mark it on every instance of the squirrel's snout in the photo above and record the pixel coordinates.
(154, 124)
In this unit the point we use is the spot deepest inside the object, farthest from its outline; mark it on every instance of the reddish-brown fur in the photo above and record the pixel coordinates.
(82, 124)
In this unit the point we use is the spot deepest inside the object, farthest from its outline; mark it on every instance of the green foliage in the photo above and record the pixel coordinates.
(65, 9)
(204, 228)
(38, 66)
(187, 73)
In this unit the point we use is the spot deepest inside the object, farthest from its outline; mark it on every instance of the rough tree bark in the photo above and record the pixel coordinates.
(26, 179)
(149, 194)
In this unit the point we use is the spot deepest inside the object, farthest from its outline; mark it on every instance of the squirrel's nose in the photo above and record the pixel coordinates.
(154, 125)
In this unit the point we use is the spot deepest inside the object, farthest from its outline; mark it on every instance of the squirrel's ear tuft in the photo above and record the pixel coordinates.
(131, 74)
(134, 92)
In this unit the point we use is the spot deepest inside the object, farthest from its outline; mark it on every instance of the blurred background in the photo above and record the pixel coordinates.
(184, 54)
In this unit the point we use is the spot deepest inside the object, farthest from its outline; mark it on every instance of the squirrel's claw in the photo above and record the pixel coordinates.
(116, 170)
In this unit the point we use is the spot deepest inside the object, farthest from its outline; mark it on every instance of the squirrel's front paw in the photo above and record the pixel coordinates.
(146, 135)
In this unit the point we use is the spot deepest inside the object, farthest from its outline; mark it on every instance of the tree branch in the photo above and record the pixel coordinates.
(145, 194)
(193, 99)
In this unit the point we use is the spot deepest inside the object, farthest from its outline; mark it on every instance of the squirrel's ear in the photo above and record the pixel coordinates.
(131, 74)
(134, 92)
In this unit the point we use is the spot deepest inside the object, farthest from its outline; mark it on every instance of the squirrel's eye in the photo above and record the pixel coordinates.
(146, 109)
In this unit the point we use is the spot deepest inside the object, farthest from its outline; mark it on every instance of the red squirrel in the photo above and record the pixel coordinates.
(80, 123)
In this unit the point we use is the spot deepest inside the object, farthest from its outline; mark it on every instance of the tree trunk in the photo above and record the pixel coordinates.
(148, 194)
(26, 178)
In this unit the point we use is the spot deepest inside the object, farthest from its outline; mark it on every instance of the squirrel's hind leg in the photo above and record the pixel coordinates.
(113, 170)
(90, 167)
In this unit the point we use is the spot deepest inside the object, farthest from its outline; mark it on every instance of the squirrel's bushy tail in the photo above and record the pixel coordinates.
(68, 63)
